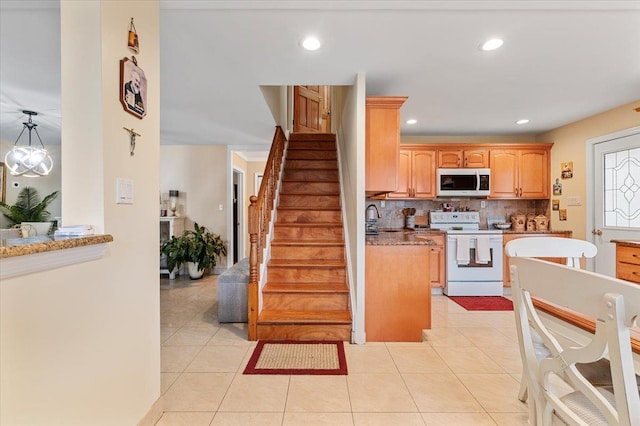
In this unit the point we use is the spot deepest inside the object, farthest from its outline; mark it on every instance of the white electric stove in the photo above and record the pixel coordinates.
(467, 273)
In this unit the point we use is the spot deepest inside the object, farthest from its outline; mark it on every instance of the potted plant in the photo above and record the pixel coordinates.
(199, 248)
(29, 210)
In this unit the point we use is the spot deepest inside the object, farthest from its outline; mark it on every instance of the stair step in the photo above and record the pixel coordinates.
(304, 272)
(304, 317)
(308, 215)
(311, 146)
(307, 250)
(340, 332)
(307, 231)
(307, 263)
(309, 297)
(312, 164)
(298, 187)
(315, 175)
(312, 137)
(310, 287)
(298, 200)
(313, 154)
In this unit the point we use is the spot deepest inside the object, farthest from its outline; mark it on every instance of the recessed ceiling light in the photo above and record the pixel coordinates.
(411, 121)
(311, 43)
(492, 44)
(522, 121)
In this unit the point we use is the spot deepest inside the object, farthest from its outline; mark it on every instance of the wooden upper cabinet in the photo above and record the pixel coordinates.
(382, 150)
(423, 174)
(467, 158)
(417, 174)
(404, 176)
(520, 173)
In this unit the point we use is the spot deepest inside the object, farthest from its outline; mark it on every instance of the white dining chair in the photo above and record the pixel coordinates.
(572, 250)
(615, 305)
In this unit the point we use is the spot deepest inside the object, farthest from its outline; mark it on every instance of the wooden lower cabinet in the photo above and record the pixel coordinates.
(506, 277)
(397, 292)
(628, 263)
(438, 259)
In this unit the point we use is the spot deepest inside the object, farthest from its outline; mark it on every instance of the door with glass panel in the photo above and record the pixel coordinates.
(616, 190)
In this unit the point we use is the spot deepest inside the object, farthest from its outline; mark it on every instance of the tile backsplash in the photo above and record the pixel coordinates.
(392, 217)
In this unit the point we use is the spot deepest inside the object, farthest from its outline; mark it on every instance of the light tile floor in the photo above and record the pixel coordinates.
(466, 372)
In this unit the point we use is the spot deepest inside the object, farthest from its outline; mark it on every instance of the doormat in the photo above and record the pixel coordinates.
(298, 357)
(483, 303)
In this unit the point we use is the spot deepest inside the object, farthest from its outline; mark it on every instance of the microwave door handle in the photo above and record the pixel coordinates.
(477, 180)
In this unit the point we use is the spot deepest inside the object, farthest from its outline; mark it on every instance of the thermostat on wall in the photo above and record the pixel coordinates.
(124, 191)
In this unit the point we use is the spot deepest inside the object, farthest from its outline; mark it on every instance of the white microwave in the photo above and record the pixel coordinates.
(463, 182)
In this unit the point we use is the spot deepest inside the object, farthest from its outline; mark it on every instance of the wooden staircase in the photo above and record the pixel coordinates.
(306, 296)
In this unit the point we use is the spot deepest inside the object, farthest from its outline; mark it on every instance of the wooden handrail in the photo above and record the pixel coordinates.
(260, 210)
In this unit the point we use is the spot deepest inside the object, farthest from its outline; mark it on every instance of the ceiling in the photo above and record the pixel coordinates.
(561, 61)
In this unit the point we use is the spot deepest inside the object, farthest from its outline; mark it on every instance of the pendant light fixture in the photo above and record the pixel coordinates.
(28, 160)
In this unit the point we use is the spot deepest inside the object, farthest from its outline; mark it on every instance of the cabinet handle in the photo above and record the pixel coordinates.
(458, 162)
(465, 162)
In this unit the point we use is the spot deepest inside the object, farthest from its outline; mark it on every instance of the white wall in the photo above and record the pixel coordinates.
(199, 172)
(349, 107)
(80, 345)
(570, 145)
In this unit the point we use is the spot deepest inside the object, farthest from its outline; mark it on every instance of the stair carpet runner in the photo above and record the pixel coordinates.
(306, 296)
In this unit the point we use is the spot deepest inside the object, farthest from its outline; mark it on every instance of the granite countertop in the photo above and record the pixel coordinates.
(13, 247)
(627, 243)
(401, 238)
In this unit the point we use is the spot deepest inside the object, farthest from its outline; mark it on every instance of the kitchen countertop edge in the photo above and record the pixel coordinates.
(627, 243)
(18, 247)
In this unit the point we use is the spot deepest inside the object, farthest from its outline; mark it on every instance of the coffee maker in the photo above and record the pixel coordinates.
(371, 224)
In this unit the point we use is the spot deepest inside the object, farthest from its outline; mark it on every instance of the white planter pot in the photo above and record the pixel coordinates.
(194, 272)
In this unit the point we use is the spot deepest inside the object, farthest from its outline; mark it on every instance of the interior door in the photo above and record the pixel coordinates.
(312, 113)
(616, 189)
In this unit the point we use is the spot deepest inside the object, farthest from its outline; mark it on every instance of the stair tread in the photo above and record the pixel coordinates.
(311, 287)
(308, 224)
(307, 263)
(288, 317)
(312, 243)
(308, 208)
(314, 194)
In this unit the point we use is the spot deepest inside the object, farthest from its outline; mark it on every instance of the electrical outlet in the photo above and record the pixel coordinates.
(483, 204)
(382, 204)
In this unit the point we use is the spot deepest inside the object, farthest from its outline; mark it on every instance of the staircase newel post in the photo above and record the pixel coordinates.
(252, 290)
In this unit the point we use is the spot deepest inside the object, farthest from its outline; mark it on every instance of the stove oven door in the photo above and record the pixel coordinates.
(474, 278)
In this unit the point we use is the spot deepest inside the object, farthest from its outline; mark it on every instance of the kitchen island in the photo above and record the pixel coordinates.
(397, 286)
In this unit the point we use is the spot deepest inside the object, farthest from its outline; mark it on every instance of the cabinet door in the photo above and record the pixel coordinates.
(423, 174)
(504, 173)
(476, 158)
(437, 263)
(404, 176)
(382, 143)
(534, 174)
(450, 158)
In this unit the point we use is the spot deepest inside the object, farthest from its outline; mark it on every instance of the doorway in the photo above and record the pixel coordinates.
(614, 211)
(237, 215)
(312, 109)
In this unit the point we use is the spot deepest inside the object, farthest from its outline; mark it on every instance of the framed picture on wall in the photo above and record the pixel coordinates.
(3, 183)
(133, 88)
